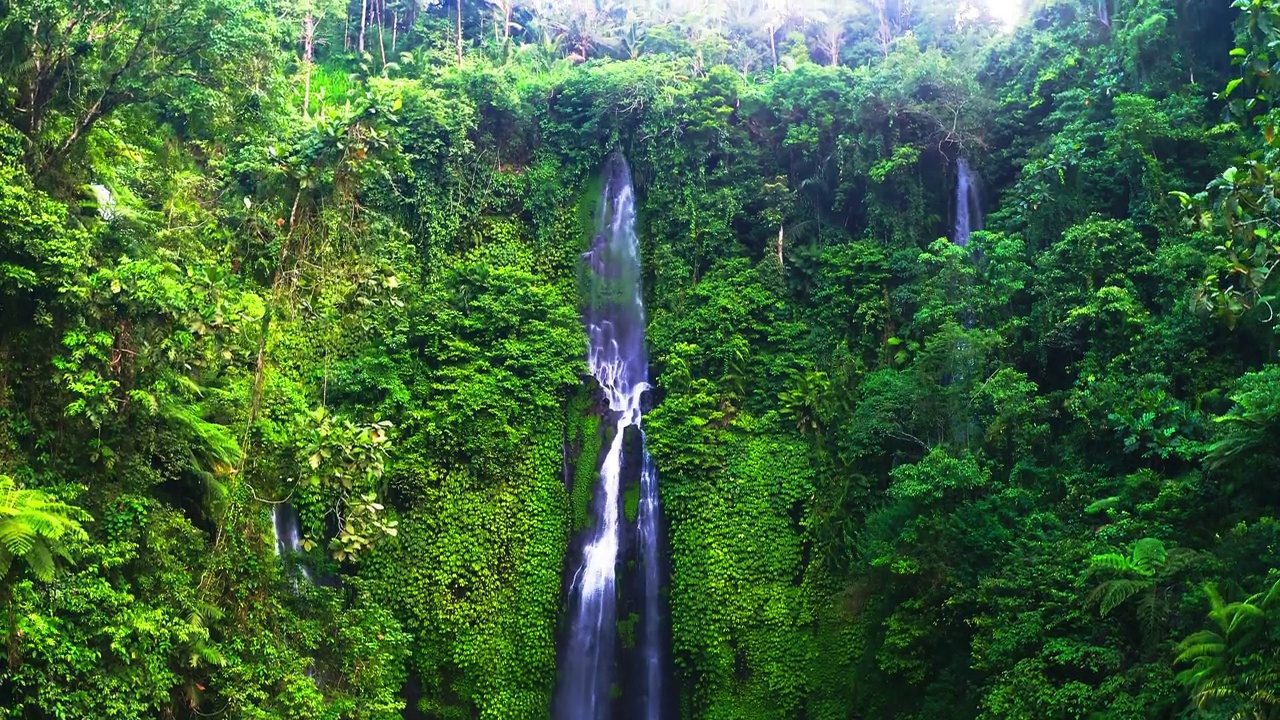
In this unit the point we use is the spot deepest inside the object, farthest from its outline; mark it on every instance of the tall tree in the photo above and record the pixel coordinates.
(82, 61)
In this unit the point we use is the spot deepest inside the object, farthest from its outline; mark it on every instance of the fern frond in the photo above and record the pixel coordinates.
(17, 537)
(211, 656)
(215, 443)
(1270, 596)
(1151, 612)
(1113, 593)
(1215, 599)
(190, 385)
(1203, 636)
(1179, 559)
(34, 526)
(1149, 555)
(216, 489)
(1232, 617)
(1217, 689)
(1112, 561)
(1197, 651)
(40, 560)
(209, 611)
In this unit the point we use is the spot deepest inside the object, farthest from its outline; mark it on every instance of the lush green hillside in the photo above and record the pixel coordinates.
(265, 251)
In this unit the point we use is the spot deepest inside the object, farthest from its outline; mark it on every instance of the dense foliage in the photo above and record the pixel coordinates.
(264, 254)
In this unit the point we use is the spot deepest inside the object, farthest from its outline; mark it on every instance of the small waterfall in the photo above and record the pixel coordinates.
(968, 204)
(106, 201)
(288, 532)
(615, 321)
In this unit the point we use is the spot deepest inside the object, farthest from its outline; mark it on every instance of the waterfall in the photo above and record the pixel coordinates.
(106, 201)
(650, 641)
(968, 204)
(285, 523)
(968, 219)
(615, 321)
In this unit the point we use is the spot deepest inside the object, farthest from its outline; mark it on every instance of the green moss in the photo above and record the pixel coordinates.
(586, 471)
(631, 502)
(627, 630)
(740, 596)
(588, 207)
(458, 566)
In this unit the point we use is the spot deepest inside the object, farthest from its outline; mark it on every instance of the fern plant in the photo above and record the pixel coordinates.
(1231, 669)
(35, 528)
(1146, 572)
(806, 399)
(199, 654)
(211, 450)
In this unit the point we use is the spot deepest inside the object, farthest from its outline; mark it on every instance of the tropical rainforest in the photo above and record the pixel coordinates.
(311, 269)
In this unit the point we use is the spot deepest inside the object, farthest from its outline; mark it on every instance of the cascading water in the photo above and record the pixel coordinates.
(651, 642)
(968, 219)
(284, 520)
(968, 204)
(106, 201)
(615, 323)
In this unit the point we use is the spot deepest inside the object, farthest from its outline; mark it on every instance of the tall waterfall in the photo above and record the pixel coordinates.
(968, 204)
(968, 219)
(615, 321)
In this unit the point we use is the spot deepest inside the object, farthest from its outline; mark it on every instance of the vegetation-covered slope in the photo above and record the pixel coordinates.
(266, 251)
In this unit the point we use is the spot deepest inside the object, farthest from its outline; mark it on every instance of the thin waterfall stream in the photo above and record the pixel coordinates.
(650, 641)
(968, 203)
(615, 322)
(968, 219)
(288, 532)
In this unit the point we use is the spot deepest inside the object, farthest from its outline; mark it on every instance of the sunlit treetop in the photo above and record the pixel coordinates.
(751, 31)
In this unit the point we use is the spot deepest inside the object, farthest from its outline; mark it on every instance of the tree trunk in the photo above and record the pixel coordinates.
(459, 2)
(106, 102)
(11, 640)
(364, 15)
(308, 38)
(382, 44)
